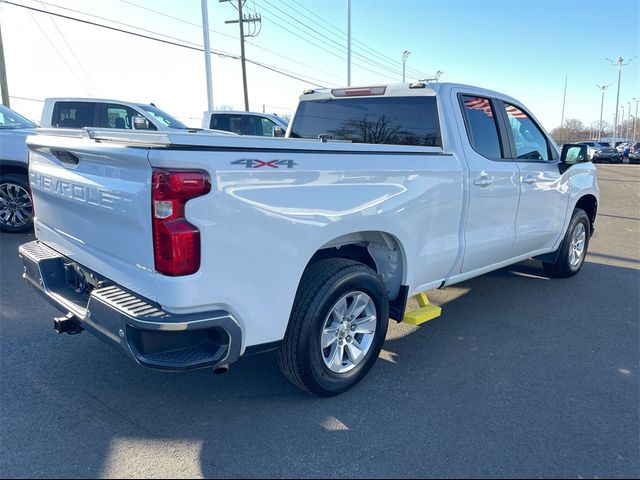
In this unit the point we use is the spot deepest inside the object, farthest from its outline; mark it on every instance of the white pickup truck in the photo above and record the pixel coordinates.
(190, 250)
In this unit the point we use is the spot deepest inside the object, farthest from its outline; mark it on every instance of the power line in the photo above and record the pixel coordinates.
(125, 24)
(334, 44)
(341, 46)
(340, 43)
(169, 42)
(194, 24)
(333, 53)
(27, 98)
(64, 60)
(70, 49)
(342, 33)
(197, 25)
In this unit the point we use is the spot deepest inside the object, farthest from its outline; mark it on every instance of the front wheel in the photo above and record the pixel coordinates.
(16, 208)
(337, 327)
(573, 249)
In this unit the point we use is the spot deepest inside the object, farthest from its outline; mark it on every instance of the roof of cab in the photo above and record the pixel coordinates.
(417, 89)
(94, 100)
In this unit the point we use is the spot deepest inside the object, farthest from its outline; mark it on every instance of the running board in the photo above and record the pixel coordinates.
(426, 312)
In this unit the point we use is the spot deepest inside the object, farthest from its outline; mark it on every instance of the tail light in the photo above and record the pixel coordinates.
(176, 242)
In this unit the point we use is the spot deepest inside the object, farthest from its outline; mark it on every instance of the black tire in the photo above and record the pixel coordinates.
(9, 185)
(562, 267)
(323, 284)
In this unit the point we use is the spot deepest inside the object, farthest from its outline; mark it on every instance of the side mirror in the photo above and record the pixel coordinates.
(278, 132)
(140, 123)
(571, 155)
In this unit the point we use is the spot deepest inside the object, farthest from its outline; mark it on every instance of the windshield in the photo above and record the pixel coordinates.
(163, 118)
(10, 119)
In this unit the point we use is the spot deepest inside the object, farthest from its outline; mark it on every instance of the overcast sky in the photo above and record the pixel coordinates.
(522, 48)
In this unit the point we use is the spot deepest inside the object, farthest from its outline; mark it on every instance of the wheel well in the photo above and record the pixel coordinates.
(589, 204)
(6, 169)
(378, 250)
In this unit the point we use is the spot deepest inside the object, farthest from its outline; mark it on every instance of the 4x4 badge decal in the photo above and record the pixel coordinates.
(255, 163)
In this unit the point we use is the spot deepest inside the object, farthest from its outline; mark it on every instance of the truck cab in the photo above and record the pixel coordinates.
(106, 114)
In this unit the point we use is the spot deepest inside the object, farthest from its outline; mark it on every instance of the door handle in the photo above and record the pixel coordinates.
(483, 181)
(530, 179)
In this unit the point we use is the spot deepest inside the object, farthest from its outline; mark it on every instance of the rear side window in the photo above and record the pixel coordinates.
(381, 120)
(531, 144)
(227, 122)
(74, 114)
(481, 126)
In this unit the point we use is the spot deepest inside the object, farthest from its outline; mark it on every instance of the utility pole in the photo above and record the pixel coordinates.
(564, 98)
(618, 63)
(602, 88)
(405, 55)
(3, 76)
(242, 19)
(348, 43)
(207, 53)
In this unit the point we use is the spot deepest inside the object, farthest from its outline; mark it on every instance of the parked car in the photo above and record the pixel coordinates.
(620, 146)
(193, 249)
(593, 147)
(607, 154)
(245, 123)
(16, 210)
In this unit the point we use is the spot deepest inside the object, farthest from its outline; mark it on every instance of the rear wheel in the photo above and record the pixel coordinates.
(16, 208)
(573, 249)
(337, 327)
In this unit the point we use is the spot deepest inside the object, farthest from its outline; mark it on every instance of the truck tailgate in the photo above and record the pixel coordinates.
(93, 204)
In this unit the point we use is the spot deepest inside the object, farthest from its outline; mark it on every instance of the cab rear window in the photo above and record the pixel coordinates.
(380, 120)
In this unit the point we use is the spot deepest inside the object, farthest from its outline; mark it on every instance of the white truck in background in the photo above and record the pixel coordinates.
(189, 250)
(106, 113)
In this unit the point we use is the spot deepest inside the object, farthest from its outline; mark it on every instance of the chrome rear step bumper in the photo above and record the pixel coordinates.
(151, 336)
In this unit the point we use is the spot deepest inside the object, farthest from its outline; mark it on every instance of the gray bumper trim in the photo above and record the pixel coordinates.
(132, 322)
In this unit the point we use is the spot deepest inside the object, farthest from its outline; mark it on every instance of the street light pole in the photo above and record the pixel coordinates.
(635, 119)
(405, 55)
(626, 129)
(622, 122)
(602, 88)
(618, 63)
(564, 98)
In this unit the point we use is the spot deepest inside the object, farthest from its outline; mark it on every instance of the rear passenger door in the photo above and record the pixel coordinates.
(544, 193)
(494, 185)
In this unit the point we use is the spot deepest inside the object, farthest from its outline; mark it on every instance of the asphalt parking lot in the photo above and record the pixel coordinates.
(522, 376)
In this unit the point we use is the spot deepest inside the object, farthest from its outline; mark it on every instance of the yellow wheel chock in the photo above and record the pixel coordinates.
(426, 312)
